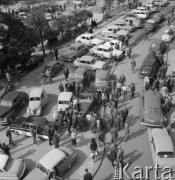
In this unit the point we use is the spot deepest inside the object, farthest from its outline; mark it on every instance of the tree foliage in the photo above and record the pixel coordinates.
(108, 4)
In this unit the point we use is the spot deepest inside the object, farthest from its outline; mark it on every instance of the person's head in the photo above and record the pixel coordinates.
(86, 170)
(4, 144)
(93, 140)
(115, 145)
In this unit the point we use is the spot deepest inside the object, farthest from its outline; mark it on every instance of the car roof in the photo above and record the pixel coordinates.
(63, 96)
(80, 71)
(113, 34)
(102, 73)
(52, 63)
(77, 44)
(103, 46)
(36, 92)
(36, 120)
(52, 158)
(87, 58)
(10, 96)
(87, 34)
(152, 99)
(157, 42)
(163, 141)
(3, 159)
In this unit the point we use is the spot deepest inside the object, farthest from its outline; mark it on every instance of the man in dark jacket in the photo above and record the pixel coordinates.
(113, 154)
(9, 135)
(132, 90)
(124, 115)
(66, 73)
(61, 88)
(50, 135)
(88, 176)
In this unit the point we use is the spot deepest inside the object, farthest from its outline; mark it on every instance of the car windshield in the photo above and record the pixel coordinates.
(35, 99)
(166, 154)
(101, 79)
(72, 48)
(44, 170)
(6, 103)
(63, 102)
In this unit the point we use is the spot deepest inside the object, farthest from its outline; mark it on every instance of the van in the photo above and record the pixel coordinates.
(159, 3)
(142, 14)
(150, 66)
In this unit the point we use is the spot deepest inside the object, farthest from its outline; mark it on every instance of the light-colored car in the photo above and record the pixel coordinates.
(134, 21)
(89, 62)
(64, 100)
(144, 8)
(113, 43)
(78, 2)
(153, 21)
(22, 15)
(151, 7)
(48, 16)
(123, 25)
(38, 98)
(11, 168)
(168, 35)
(162, 147)
(106, 51)
(89, 39)
(159, 3)
(114, 29)
(55, 163)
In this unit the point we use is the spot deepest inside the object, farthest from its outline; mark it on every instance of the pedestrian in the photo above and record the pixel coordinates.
(51, 53)
(61, 87)
(73, 138)
(18, 75)
(113, 83)
(103, 97)
(124, 88)
(128, 52)
(101, 138)
(56, 140)
(93, 147)
(126, 126)
(75, 7)
(120, 155)
(115, 102)
(113, 154)
(122, 79)
(8, 76)
(119, 88)
(133, 64)
(124, 115)
(43, 77)
(114, 135)
(56, 52)
(9, 135)
(87, 175)
(126, 41)
(90, 30)
(66, 73)
(132, 90)
(69, 125)
(98, 125)
(147, 35)
(64, 6)
(50, 135)
(102, 57)
(6, 149)
(34, 135)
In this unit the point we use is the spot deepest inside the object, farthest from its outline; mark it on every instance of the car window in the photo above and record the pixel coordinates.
(83, 62)
(88, 62)
(26, 126)
(165, 154)
(105, 50)
(110, 29)
(99, 49)
(83, 37)
(43, 169)
(35, 99)
(63, 102)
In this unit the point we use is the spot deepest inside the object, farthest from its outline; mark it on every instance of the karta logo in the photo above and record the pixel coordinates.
(139, 173)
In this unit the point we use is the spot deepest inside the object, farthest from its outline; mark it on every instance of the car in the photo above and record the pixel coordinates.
(22, 126)
(158, 17)
(151, 114)
(168, 35)
(89, 40)
(158, 46)
(38, 98)
(4, 88)
(32, 63)
(10, 105)
(22, 15)
(144, 14)
(55, 163)
(123, 25)
(64, 100)
(11, 168)
(162, 147)
(48, 16)
(133, 15)
(76, 50)
(78, 2)
(91, 2)
(113, 29)
(106, 51)
(102, 79)
(159, 3)
(53, 68)
(89, 62)
(111, 36)
(114, 42)
(151, 7)
(144, 8)
(134, 21)
(149, 26)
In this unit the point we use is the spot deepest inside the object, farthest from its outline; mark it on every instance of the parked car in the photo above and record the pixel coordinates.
(22, 15)
(102, 79)
(89, 39)
(106, 51)
(114, 42)
(76, 50)
(32, 63)
(78, 2)
(158, 17)
(159, 3)
(114, 29)
(89, 62)
(22, 126)
(158, 46)
(132, 15)
(11, 168)
(38, 98)
(111, 36)
(55, 163)
(168, 35)
(48, 16)
(150, 26)
(144, 14)
(134, 21)
(162, 147)
(144, 8)
(151, 7)
(151, 109)
(123, 25)
(64, 100)
(53, 68)
(10, 105)
(5, 88)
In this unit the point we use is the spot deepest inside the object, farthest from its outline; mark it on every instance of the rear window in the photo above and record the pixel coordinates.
(165, 154)
(35, 99)
(63, 102)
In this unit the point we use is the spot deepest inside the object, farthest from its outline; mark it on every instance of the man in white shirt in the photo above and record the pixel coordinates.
(88, 119)
(124, 88)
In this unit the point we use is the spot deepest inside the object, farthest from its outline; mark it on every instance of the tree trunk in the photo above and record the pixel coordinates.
(42, 43)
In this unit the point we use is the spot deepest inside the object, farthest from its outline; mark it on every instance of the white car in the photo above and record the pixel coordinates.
(89, 39)
(162, 147)
(115, 29)
(22, 15)
(11, 168)
(168, 35)
(134, 21)
(106, 51)
(37, 100)
(78, 2)
(48, 16)
(64, 100)
(89, 62)
(123, 25)
(144, 8)
(151, 7)
(113, 43)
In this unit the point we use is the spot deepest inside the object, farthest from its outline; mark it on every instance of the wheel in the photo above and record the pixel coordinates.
(15, 132)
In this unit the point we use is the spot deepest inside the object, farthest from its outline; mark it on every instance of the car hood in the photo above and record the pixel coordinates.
(35, 174)
(149, 26)
(97, 41)
(34, 105)
(99, 64)
(153, 119)
(62, 106)
(165, 36)
(69, 53)
(4, 110)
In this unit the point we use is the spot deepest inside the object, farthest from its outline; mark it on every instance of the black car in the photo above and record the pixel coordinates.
(158, 46)
(10, 105)
(32, 63)
(22, 126)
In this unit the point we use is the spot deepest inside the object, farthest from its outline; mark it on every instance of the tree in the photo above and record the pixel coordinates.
(108, 4)
(38, 22)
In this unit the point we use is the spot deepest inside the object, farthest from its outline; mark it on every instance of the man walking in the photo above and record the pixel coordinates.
(128, 52)
(132, 90)
(9, 135)
(113, 154)
(124, 88)
(56, 53)
(50, 135)
(66, 73)
(133, 64)
(124, 115)
(147, 35)
(87, 176)
(120, 155)
(34, 134)
(126, 125)
(114, 135)
(122, 79)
